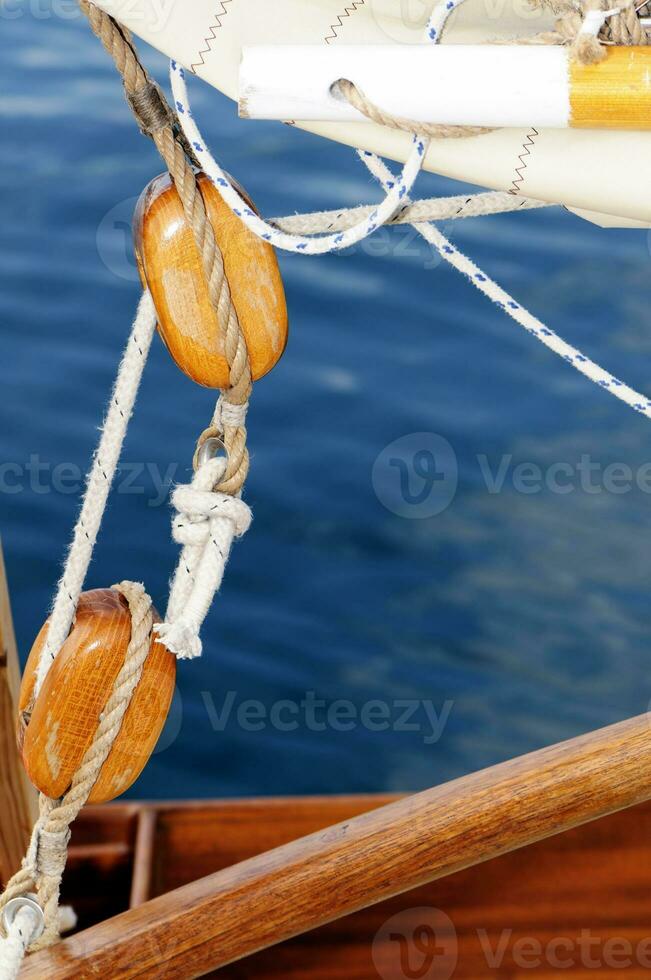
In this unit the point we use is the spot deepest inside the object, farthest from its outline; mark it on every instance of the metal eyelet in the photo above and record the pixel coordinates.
(212, 448)
(15, 905)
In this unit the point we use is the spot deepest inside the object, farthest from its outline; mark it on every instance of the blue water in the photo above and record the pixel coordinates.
(507, 621)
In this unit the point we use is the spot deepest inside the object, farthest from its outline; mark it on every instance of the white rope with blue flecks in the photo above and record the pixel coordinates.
(392, 185)
(396, 193)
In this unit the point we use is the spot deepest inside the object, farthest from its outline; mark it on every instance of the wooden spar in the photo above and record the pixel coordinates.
(471, 85)
(591, 882)
(355, 864)
(18, 800)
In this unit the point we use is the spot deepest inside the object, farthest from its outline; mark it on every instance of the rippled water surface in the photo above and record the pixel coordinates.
(515, 617)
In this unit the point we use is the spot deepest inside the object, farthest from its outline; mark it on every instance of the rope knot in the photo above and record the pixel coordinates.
(206, 523)
(198, 509)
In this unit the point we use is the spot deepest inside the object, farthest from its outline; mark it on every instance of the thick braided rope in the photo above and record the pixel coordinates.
(157, 120)
(431, 209)
(45, 861)
(100, 479)
(351, 93)
(206, 524)
(623, 27)
(587, 48)
(14, 946)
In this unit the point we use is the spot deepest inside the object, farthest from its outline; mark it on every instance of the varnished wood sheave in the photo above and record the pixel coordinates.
(55, 731)
(366, 859)
(615, 93)
(171, 267)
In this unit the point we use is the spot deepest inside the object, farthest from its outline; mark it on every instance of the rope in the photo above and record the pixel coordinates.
(100, 479)
(222, 513)
(347, 90)
(380, 214)
(494, 292)
(583, 32)
(45, 861)
(156, 119)
(295, 233)
(483, 282)
(210, 513)
(206, 524)
(462, 263)
(201, 564)
(14, 946)
(432, 209)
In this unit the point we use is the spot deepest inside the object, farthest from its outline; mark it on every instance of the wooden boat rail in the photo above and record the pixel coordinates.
(369, 858)
(564, 831)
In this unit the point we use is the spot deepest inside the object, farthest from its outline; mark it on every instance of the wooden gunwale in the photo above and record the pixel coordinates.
(302, 885)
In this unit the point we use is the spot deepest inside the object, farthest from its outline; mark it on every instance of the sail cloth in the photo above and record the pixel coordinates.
(583, 169)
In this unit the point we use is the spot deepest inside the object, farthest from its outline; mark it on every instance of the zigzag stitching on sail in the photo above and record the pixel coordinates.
(212, 36)
(340, 20)
(526, 147)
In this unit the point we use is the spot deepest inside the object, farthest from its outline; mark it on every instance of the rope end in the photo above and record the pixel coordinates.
(180, 639)
(588, 50)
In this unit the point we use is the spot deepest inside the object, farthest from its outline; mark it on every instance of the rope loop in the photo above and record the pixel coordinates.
(207, 521)
(352, 94)
(197, 508)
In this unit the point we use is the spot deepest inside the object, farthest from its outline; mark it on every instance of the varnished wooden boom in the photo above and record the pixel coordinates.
(327, 875)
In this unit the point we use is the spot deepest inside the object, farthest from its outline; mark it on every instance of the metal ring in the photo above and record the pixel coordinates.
(15, 905)
(211, 449)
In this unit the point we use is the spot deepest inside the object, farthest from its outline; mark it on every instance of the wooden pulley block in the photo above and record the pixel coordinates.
(172, 269)
(56, 729)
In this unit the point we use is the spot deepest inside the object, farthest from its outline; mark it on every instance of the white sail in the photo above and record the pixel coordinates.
(582, 169)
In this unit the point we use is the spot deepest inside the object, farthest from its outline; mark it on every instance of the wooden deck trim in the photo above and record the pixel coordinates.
(355, 864)
(143, 858)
